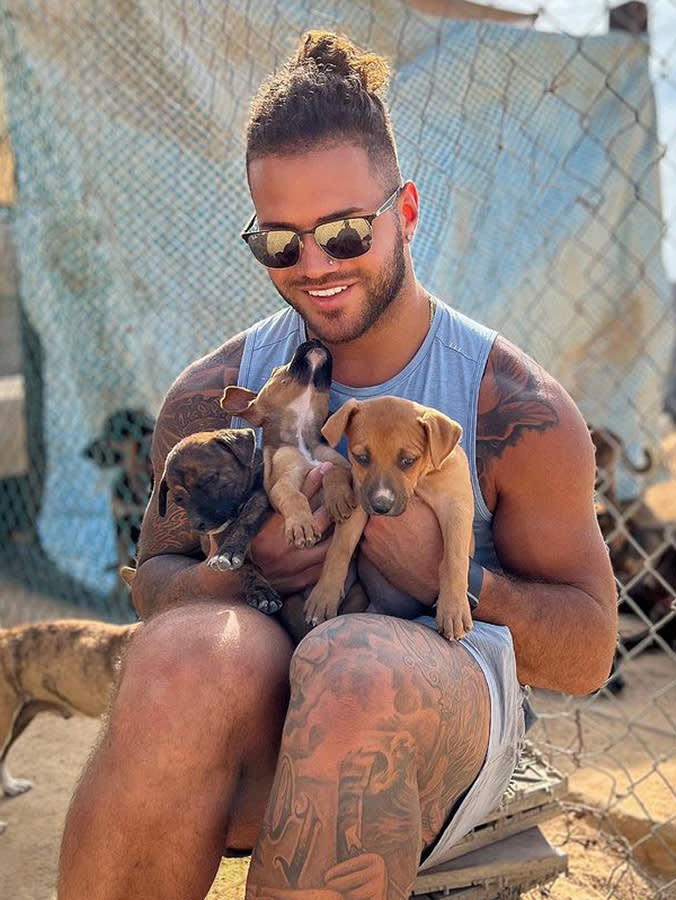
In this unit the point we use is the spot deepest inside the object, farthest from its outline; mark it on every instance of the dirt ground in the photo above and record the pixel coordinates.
(619, 752)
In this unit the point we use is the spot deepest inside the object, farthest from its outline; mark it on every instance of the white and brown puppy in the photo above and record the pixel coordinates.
(291, 408)
(398, 448)
(64, 666)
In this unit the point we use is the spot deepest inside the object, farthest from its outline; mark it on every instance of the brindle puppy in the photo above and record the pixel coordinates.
(62, 667)
(216, 478)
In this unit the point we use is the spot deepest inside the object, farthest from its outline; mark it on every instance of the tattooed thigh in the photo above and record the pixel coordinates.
(400, 713)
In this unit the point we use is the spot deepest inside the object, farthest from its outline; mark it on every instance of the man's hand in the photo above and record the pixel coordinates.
(287, 568)
(406, 549)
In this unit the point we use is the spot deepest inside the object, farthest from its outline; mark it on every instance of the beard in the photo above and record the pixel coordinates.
(335, 326)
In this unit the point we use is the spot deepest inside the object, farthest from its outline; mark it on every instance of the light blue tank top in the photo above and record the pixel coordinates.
(445, 374)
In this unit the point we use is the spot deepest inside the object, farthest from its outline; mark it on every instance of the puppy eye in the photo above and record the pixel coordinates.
(407, 461)
(361, 459)
(179, 501)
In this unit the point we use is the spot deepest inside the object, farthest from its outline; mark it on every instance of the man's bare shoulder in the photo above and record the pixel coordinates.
(519, 405)
(193, 401)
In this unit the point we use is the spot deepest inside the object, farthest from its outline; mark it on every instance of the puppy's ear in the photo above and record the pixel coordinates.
(239, 401)
(442, 435)
(127, 574)
(241, 442)
(336, 424)
(162, 498)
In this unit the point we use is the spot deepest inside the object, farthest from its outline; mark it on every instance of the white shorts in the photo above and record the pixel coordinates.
(492, 647)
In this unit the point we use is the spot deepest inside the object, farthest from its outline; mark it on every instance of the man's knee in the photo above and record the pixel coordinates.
(356, 670)
(189, 666)
(346, 665)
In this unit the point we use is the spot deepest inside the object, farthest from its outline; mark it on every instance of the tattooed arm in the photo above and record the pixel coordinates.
(171, 569)
(536, 469)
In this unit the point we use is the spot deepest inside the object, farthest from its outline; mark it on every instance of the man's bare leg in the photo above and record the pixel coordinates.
(388, 724)
(187, 758)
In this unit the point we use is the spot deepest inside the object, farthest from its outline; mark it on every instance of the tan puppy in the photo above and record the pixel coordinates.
(65, 667)
(398, 448)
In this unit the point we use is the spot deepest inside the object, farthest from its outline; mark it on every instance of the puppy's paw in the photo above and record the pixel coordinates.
(229, 556)
(12, 787)
(301, 531)
(265, 599)
(454, 617)
(322, 604)
(340, 502)
(221, 562)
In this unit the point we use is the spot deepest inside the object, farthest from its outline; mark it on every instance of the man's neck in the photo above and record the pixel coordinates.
(385, 349)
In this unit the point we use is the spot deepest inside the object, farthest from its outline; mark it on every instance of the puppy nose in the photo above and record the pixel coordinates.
(382, 502)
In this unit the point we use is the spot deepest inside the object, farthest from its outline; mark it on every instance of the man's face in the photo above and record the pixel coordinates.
(300, 192)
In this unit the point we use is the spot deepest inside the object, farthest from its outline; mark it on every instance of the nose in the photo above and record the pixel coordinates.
(382, 502)
(314, 263)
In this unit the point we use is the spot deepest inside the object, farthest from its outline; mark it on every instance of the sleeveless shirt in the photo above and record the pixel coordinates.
(445, 373)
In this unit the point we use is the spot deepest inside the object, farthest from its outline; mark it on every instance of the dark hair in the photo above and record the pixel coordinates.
(330, 90)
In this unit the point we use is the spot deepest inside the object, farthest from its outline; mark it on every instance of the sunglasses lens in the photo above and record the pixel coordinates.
(345, 238)
(276, 249)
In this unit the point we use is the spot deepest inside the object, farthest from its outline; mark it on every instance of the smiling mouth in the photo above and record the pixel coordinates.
(329, 292)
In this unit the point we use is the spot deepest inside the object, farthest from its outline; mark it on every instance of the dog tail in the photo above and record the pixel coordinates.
(646, 466)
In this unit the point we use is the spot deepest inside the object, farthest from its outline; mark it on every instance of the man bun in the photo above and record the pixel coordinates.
(328, 91)
(337, 53)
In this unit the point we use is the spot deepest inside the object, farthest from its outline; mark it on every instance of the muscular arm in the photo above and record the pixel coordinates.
(536, 467)
(171, 570)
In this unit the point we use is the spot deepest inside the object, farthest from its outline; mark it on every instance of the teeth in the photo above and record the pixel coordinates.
(329, 292)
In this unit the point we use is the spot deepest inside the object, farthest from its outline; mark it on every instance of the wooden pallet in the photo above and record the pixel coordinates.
(506, 853)
(498, 871)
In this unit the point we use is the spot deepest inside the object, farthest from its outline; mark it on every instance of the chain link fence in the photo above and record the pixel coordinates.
(547, 176)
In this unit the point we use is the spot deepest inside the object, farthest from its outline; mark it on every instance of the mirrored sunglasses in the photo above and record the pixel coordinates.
(344, 238)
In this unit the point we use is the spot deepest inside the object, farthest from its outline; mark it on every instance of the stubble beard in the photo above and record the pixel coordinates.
(381, 291)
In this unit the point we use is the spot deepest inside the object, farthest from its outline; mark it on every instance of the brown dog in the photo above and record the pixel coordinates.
(64, 667)
(398, 448)
(611, 453)
(216, 478)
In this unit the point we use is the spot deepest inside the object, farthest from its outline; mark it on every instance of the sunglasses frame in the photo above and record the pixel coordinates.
(247, 233)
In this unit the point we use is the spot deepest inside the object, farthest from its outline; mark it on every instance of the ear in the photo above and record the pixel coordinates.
(442, 435)
(162, 498)
(239, 401)
(127, 574)
(336, 424)
(241, 442)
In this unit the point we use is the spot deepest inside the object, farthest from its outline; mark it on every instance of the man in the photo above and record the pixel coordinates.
(394, 741)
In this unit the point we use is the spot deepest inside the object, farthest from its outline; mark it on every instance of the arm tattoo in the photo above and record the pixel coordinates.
(516, 397)
(192, 404)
